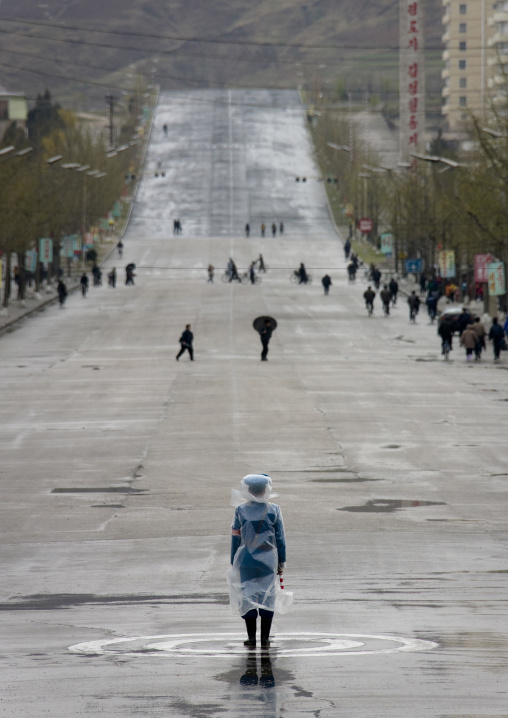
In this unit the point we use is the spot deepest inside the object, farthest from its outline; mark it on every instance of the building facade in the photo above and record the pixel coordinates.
(468, 72)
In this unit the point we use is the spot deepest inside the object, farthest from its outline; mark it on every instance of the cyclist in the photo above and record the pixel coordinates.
(445, 331)
(232, 271)
(393, 286)
(375, 276)
(351, 271)
(414, 306)
(302, 273)
(369, 295)
(386, 297)
(431, 303)
(119, 246)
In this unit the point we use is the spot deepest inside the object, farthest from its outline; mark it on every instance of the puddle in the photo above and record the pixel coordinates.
(107, 506)
(402, 339)
(357, 480)
(99, 490)
(432, 357)
(380, 506)
(391, 446)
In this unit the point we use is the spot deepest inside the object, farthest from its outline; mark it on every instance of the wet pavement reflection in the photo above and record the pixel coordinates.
(389, 505)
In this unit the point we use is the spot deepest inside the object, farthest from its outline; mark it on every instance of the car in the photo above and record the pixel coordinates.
(452, 315)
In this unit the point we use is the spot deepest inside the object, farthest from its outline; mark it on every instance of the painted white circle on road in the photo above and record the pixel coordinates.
(227, 644)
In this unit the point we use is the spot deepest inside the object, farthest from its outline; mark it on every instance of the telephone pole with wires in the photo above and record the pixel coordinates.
(110, 101)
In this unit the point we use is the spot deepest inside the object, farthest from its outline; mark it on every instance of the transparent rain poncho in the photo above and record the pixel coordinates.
(258, 548)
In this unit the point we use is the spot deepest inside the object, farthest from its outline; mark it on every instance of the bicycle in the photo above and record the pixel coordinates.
(446, 349)
(295, 279)
(413, 311)
(245, 278)
(370, 308)
(386, 309)
(227, 279)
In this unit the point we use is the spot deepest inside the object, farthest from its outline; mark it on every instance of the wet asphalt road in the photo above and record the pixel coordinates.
(116, 464)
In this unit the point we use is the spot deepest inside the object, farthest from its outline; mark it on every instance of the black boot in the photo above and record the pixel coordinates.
(266, 624)
(251, 632)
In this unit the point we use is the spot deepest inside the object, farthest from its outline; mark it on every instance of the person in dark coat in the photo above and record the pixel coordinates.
(84, 284)
(326, 282)
(496, 336)
(112, 278)
(464, 320)
(247, 229)
(266, 334)
(302, 274)
(186, 343)
(393, 286)
(414, 305)
(62, 293)
(369, 295)
(445, 331)
(376, 277)
(386, 298)
(129, 274)
(347, 248)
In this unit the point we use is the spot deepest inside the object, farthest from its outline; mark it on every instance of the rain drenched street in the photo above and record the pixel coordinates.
(117, 463)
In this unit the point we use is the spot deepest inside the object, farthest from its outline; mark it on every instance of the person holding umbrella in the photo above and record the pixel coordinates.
(265, 326)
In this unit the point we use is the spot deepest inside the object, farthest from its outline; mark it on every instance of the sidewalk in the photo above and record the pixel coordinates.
(34, 302)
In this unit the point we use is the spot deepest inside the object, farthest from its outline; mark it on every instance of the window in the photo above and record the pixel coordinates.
(462, 64)
(462, 45)
(462, 26)
(463, 101)
(463, 82)
(463, 9)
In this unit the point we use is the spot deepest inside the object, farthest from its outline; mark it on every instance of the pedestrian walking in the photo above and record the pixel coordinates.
(62, 293)
(347, 248)
(481, 333)
(252, 272)
(369, 295)
(496, 336)
(303, 277)
(247, 230)
(263, 229)
(112, 278)
(281, 228)
(464, 320)
(186, 341)
(258, 557)
(386, 298)
(84, 284)
(265, 333)
(129, 273)
(274, 229)
(261, 263)
(414, 305)
(468, 341)
(211, 273)
(119, 247)
(393, 286)
(326, 282)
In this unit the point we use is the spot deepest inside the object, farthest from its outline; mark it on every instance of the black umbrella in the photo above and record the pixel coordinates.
(131, 266)
(259, 323)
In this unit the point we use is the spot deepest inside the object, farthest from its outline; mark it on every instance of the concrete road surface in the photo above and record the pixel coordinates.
(116, 465)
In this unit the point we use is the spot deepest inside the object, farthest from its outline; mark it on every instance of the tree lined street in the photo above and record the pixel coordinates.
(117, 462)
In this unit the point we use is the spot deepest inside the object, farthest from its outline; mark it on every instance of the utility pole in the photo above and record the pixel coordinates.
(110, 101)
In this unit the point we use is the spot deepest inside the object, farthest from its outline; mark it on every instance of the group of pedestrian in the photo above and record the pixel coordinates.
(177, 227)
(388, 296)
(263, 229)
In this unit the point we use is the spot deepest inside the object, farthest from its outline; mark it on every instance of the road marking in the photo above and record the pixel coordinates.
(226, 644)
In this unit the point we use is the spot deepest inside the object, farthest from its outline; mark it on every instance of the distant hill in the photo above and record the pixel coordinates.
(83, 47)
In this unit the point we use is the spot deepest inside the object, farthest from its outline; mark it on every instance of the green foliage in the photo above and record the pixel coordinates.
(43, 119)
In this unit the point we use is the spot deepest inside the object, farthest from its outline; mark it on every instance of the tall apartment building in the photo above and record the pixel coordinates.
(498, 50)
(467, 71)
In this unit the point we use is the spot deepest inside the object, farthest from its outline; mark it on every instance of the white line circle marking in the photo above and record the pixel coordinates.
(227, 644)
